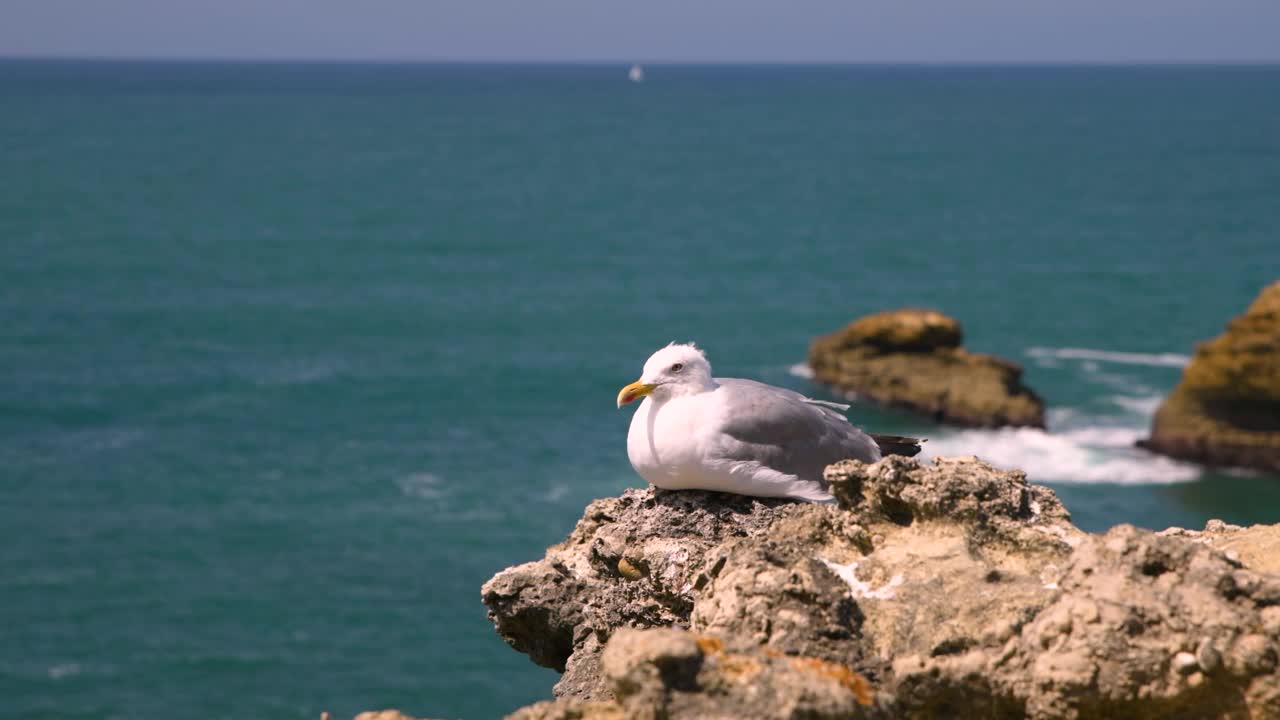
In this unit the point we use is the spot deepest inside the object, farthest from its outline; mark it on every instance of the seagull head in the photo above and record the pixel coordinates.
(672, 371)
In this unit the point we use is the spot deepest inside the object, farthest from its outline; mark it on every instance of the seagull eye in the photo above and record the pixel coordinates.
(677, 367)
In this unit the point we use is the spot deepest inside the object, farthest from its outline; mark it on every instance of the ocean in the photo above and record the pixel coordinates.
(296, 356)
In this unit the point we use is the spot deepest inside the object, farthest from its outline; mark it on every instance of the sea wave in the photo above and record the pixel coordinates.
(1086, 455)
(1082, 446)
(801, 370)
(1109, 356)
(57, 672)
(1086, 444)
(555, 493)
(1144, 406)
(421, 485)
(291, 372)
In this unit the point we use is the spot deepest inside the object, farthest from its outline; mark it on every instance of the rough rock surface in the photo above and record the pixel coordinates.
(673, 673)
(634, 560)
(913, 359)
(1256, 547)
(1226, 409)
(954, 589)
(1150, 626)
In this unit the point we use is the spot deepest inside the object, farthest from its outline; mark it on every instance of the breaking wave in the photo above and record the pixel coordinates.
(1087, 455)
(421, 485)
(801, 370)
(1109, 356)
(1088, 443)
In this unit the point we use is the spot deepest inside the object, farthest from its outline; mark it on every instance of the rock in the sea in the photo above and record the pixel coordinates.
(913, 359)
(1226, 409)
(951, 589)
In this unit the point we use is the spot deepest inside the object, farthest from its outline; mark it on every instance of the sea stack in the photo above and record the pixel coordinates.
(1226, 409)
(913, 358)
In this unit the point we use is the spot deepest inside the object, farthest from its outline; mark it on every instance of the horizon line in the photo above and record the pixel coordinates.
(599, 62)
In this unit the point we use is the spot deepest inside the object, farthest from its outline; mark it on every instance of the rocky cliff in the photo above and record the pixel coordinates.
(914, 359)
(938, 590)
(1226, 409)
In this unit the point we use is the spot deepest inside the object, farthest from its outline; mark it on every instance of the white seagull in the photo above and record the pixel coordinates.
(695, 431)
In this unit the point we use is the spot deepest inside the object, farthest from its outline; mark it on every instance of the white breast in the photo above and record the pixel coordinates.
(667, 446)
(660, 444)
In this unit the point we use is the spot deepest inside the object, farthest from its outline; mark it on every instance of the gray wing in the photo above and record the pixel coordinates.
(786, 431)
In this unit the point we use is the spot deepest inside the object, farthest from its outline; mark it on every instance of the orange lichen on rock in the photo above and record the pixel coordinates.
(710, 645)
(855, 682)
(739, 667)
(850, 679)
(731, 665)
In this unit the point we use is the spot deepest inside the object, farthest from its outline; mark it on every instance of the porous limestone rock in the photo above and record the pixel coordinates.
(791, 576)
(634, 560)
(1256, 546)
(1149, 626)
(1226, 409)
(913, 359)
(954, 589)
(668, 673)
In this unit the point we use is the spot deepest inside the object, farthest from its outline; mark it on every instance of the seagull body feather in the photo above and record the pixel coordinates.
(744, 437)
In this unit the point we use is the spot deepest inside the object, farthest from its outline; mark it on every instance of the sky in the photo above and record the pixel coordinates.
(914, 31)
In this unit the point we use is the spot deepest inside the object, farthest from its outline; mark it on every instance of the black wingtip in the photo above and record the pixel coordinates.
(898, 445)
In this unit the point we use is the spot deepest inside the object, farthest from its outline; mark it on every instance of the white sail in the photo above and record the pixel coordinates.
(636, 74)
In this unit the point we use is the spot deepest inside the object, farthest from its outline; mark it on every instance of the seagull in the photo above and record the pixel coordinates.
(696, 431)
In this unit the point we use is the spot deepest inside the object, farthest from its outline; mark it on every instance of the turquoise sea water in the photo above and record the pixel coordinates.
(294, 357)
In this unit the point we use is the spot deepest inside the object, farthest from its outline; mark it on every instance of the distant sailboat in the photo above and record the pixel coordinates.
(637, 74)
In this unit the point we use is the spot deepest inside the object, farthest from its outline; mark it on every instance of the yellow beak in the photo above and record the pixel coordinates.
(633, 392)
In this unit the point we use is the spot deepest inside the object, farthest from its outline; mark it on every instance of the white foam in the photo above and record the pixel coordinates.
(1144, 406)
(291, 372)
(1088, 446)
(96, 440)
(801, 370)
(57, 672)
(1087, 455)
(1109, 356)
(1125, 384)
(423, 485)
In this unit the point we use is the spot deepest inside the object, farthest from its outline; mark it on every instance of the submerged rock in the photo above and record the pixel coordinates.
(914, 359)
(951, 589)
(1226, 409)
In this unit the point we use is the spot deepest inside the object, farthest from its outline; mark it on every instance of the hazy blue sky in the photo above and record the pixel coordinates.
(717, 30)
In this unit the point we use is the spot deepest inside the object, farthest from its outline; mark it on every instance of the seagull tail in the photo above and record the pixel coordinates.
(898, 445)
